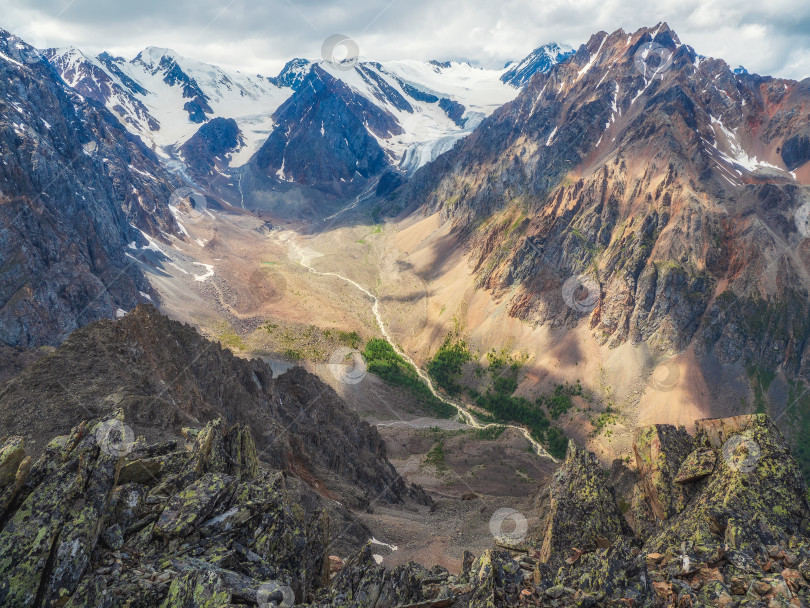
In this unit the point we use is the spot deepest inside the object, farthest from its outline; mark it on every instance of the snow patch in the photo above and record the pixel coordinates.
(209, 272)
(374, 541)
(592, 60)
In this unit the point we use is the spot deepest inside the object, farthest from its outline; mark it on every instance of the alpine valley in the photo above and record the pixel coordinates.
(404, 333)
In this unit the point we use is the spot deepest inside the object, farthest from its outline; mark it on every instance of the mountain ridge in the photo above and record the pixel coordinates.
(164, 97)
(78, 193)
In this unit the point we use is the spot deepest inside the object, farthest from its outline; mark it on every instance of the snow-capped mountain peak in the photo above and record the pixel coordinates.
(408, 111)
(541, 60)
(152, 56)
(164, 97)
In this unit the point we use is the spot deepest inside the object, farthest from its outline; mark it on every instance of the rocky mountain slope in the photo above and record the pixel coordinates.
(654, 192)
(76, 189)
(101, 520)
(165, 377)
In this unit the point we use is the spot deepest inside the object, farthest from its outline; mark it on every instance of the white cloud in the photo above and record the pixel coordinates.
(769, 38)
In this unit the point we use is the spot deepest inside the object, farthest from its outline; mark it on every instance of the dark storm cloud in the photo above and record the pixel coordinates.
(768, 38)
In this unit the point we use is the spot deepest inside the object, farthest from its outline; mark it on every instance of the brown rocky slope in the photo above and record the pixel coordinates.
(663, 194)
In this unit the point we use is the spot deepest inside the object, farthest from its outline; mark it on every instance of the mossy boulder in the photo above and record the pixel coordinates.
(497, 580)
(199, 589)
(207, 527)
(47, 543)
(14, 468)
(12, 453)
(189, 508)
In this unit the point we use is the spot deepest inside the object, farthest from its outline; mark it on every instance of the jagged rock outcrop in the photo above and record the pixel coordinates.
(583, 513)
(741, 537)
(104, 519)
(660, 450)
(206, 528)
(166, 376)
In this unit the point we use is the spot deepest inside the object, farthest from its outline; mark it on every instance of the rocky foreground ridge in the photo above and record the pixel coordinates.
(165, 376)
(99, 519)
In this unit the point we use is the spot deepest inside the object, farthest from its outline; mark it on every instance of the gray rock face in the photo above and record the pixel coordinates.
(75, 189)
(325, 137)
(209, 146)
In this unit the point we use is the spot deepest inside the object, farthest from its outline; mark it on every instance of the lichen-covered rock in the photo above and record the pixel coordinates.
(362, 583)
(748, 523)
(46, 545)
(746, 505)
(208, 527)
(583, 513)
(497, 580)
(716, 431)
(198, 589)
(619, 571)
(697, 465)
(660, 450)
(12, 453)
(14, 467)
(189, 508)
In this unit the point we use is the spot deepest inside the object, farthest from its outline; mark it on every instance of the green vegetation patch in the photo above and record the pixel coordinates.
(560, 401)
(229, 338)
(383, 361)
(761, 380)
(351, 339)
(447, 364)
(490, 433)
(435, 457)
(503, 407)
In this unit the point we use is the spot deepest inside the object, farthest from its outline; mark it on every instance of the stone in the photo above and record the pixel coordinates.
(12, 453)
(697, 465)
(200, 589)
(46, 545)
(583, 511)
(190, 507)
(660, 450)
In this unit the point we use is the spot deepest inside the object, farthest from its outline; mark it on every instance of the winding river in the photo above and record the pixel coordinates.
(303, 258)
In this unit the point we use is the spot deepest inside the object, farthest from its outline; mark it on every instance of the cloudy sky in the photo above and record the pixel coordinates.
(768, 37)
